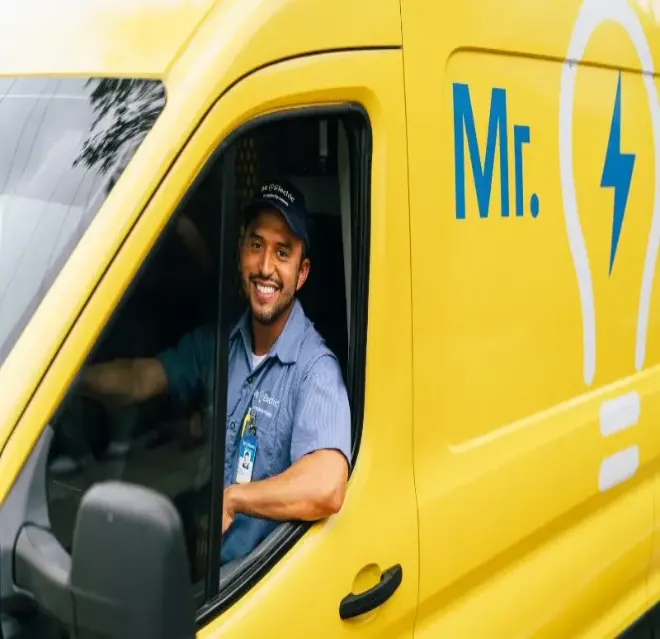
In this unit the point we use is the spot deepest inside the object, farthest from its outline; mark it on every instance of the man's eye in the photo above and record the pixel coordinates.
(255, 244)
(283, 254)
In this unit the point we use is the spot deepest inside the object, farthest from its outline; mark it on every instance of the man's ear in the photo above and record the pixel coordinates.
(303, 273)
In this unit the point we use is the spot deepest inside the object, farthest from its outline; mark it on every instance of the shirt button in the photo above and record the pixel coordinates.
(249, 380)
(232, 426)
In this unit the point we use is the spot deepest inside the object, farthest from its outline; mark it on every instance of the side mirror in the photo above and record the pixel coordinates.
(128, 574)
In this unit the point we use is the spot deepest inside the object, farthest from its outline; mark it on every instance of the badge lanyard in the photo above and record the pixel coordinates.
(247, 451)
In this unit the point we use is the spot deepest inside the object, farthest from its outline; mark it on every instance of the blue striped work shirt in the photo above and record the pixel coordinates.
(296, 393)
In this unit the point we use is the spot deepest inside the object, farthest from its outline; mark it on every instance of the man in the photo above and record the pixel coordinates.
(287, 406)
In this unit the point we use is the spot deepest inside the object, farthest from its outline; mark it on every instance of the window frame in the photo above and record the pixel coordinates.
(360, 148)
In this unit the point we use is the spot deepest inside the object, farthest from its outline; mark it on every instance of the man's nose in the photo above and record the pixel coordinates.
(267, 265)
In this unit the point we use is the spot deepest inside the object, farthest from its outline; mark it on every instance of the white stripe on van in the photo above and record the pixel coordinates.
(617, 468)
(619, 413)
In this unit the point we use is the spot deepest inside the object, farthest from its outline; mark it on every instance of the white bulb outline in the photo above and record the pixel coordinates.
(591, 15)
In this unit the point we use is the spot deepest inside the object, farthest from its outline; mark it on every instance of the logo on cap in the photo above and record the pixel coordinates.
(276, 191)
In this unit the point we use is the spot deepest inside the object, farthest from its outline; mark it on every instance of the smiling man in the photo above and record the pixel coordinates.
(287, 447)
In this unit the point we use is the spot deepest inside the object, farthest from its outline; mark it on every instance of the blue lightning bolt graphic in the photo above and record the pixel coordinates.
(617, 173)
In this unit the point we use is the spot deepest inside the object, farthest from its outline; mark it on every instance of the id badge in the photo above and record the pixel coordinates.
(246, 455)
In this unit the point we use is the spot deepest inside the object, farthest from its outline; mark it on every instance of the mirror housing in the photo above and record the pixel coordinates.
(128, 576)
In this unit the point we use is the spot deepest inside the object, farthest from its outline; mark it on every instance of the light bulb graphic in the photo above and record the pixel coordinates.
(618, 413)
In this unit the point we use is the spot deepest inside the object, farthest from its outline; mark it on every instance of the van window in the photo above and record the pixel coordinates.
(156, 442)
(327, 158)
(64, 144)
(190, 283)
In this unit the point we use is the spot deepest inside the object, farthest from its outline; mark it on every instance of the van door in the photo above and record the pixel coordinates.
(358, 570)
(372, 542)
(534, 425)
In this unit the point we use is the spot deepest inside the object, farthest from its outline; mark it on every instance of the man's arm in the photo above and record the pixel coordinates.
(180, 370)
(313, 488)
(124, 381)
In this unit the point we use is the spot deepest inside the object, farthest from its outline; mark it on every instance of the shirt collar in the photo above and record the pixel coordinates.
(287, 346)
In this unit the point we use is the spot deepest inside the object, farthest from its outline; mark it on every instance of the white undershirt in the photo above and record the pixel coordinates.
(257, 359)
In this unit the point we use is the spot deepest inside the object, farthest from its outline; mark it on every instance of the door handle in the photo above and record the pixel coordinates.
(355, 605)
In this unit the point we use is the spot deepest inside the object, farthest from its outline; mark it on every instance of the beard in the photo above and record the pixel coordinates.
(268, 314)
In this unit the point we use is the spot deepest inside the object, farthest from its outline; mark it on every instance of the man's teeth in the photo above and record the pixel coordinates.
(266, 290)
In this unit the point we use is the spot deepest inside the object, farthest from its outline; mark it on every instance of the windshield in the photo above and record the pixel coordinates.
(63, 144)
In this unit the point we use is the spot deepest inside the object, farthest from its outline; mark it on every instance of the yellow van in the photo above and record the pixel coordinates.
(484, 180)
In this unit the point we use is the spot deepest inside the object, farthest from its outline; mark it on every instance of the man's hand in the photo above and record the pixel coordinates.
(124, 381)
(228, 509)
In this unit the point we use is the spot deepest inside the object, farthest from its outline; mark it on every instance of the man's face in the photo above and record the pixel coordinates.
(272, 266)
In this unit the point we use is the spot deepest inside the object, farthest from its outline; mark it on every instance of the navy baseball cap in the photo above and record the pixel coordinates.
(288, 200)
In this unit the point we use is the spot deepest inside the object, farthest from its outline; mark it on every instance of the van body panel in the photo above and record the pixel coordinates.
(536, 445)
(538, 29)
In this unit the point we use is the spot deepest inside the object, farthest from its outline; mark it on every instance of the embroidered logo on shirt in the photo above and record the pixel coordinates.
(263, 397)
